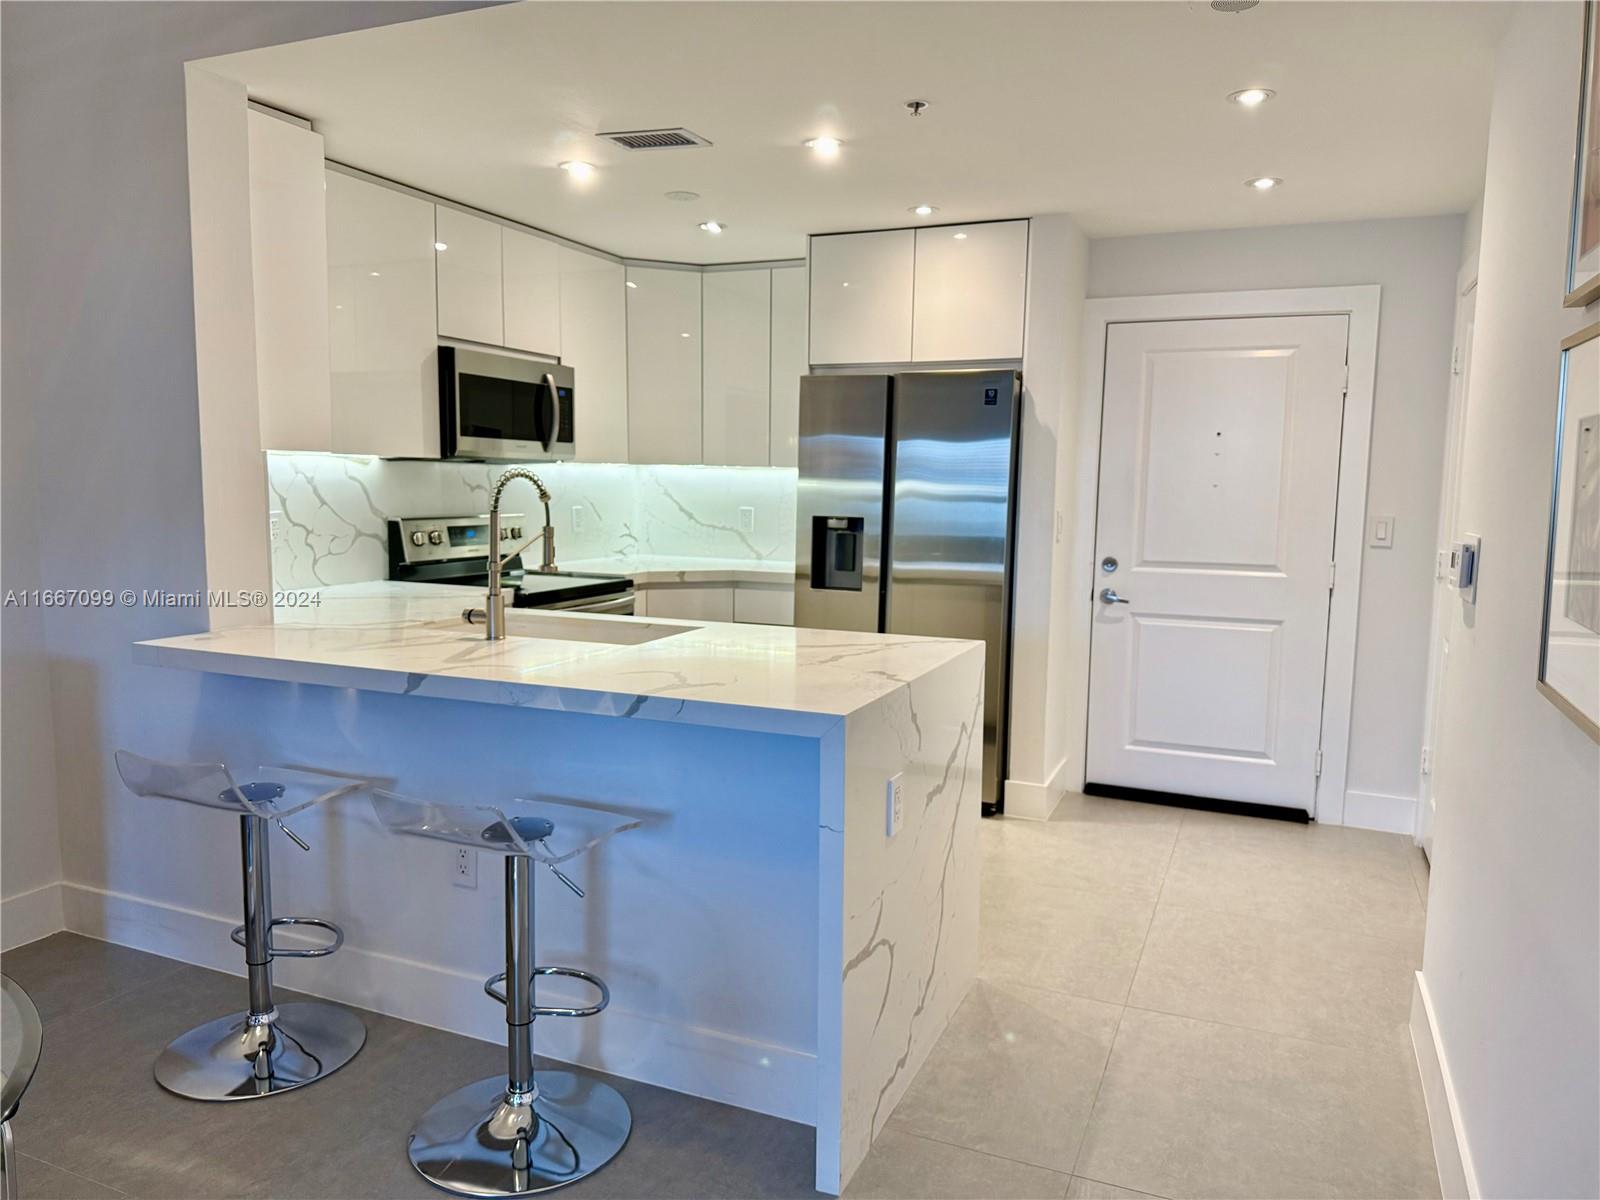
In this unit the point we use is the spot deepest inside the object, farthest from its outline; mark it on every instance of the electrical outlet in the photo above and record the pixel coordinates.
(466, 868)
(577, 518)
(895, 804)
(747, 520)
(274, 527)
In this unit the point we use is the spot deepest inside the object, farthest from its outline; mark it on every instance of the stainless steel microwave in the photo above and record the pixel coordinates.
(500, 407)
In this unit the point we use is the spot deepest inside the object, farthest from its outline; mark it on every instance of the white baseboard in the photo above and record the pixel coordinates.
(1457, 1179)
(29, 916)
(777, 1080)
(1381, 811)
(1036, 801)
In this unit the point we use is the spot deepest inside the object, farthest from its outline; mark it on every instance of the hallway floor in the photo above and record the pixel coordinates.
(1171, 1003)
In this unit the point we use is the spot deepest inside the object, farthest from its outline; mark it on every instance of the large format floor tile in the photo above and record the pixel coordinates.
(1273, 975)
(1014, 1074)
(1084, 943)
(63, 974)
(902, 1166)
(1089, 843)
(1316, 876)
(1193, 1108)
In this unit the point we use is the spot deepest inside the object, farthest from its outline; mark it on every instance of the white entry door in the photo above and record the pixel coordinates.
(1219, 472)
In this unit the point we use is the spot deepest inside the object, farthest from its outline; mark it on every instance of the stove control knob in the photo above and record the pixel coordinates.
(516, 532)
(435, 537)
(418, 537)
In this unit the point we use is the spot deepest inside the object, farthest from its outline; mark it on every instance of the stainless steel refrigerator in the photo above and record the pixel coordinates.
(906, 517)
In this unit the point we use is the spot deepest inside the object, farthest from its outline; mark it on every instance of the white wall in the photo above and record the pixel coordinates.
(104, 490)
(1045, 712)
(1512, 957)
(1415, 262)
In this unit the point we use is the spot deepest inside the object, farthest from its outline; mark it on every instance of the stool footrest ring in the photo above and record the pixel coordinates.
(313, 952)
(494, 988)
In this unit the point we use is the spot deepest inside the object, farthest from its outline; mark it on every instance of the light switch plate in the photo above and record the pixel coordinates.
(747, 520)
(895, 804)
(1382, 533)
(577, 518)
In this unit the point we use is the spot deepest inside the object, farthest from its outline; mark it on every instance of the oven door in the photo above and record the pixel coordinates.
(503, 408)
(617, 605)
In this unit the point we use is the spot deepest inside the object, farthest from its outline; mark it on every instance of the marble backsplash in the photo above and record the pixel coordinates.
(332, 510)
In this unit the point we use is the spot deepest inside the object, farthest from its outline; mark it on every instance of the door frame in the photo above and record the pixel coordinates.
(1360, 304)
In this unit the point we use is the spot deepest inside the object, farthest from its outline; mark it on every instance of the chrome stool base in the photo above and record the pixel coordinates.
(222, 1059)
(474, 1142)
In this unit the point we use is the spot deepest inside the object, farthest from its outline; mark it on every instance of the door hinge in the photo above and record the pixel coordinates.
(1347, 379)
(1455, 360)
(1333, 571)
(1319, 762)
(1427, 760)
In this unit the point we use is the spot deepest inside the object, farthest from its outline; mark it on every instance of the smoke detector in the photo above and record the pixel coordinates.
(655, 139)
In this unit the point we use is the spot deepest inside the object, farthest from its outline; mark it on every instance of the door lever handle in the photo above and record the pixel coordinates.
(1109, 596)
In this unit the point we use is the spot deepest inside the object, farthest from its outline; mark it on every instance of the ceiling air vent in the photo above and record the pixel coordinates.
(654, 139)
(1233, 6)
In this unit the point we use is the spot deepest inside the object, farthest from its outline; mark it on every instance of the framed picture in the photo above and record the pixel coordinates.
(1583, 255)
(1569, 652)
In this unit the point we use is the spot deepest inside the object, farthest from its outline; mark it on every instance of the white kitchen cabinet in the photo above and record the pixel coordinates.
(861, 288)
(289, 270)
(789, 363)
(691, 601)
(594, 343)
(530, 272)
(971, 284)
(383, 327)
(471, 300)
(763, 604)
(737, 362)
(663, 365)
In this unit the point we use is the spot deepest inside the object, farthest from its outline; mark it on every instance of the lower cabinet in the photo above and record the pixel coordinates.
(749, 603)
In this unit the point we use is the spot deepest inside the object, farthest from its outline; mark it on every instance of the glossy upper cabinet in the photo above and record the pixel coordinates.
(594, 343)
(663, 365)
(383, 327)
(861, 297)
(530, 271)
(471, 301)
(289, 271)
(737, 362)
(789, 363)
(971, 284)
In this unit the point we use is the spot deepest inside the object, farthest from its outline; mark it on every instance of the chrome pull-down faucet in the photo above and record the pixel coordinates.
(494, 608)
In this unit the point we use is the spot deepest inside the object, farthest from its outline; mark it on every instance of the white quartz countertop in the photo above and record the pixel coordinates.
(410, 639)
(647, 570)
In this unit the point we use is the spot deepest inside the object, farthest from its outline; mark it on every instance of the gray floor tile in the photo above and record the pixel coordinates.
(66, 973)
(1317, 876)
(1090, 843)
(1035, 1057)
(1272, 975)
(1192, 1108)
(1093, 1189)
(902, 1166)
(43, 1181)
(1085, 943)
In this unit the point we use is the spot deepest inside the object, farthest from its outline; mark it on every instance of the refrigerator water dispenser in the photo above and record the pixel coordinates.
(836, 553)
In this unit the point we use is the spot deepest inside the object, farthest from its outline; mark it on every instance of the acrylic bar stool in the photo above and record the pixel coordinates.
(269, 1048)
(520, 1133)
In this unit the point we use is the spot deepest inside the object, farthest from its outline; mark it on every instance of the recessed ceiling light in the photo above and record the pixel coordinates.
(1263, 183)
(374, 274)
(683, 335)
(577, 169)
(683, 196)
(924, 210)
(823, 147)
(440, 246)
(960, 237)
(712, 226)
(1251, 97)
(632, 284)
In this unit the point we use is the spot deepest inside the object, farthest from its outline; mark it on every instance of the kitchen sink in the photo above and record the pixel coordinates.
(608, 631)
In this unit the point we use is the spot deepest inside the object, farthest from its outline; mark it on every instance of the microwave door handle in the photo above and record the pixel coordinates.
(552, 414)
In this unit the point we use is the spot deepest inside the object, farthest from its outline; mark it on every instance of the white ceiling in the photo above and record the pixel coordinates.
(1114, 112)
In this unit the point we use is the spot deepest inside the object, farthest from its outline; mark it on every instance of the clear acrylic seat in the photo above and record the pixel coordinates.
(268, 1048)
(518, 1133)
